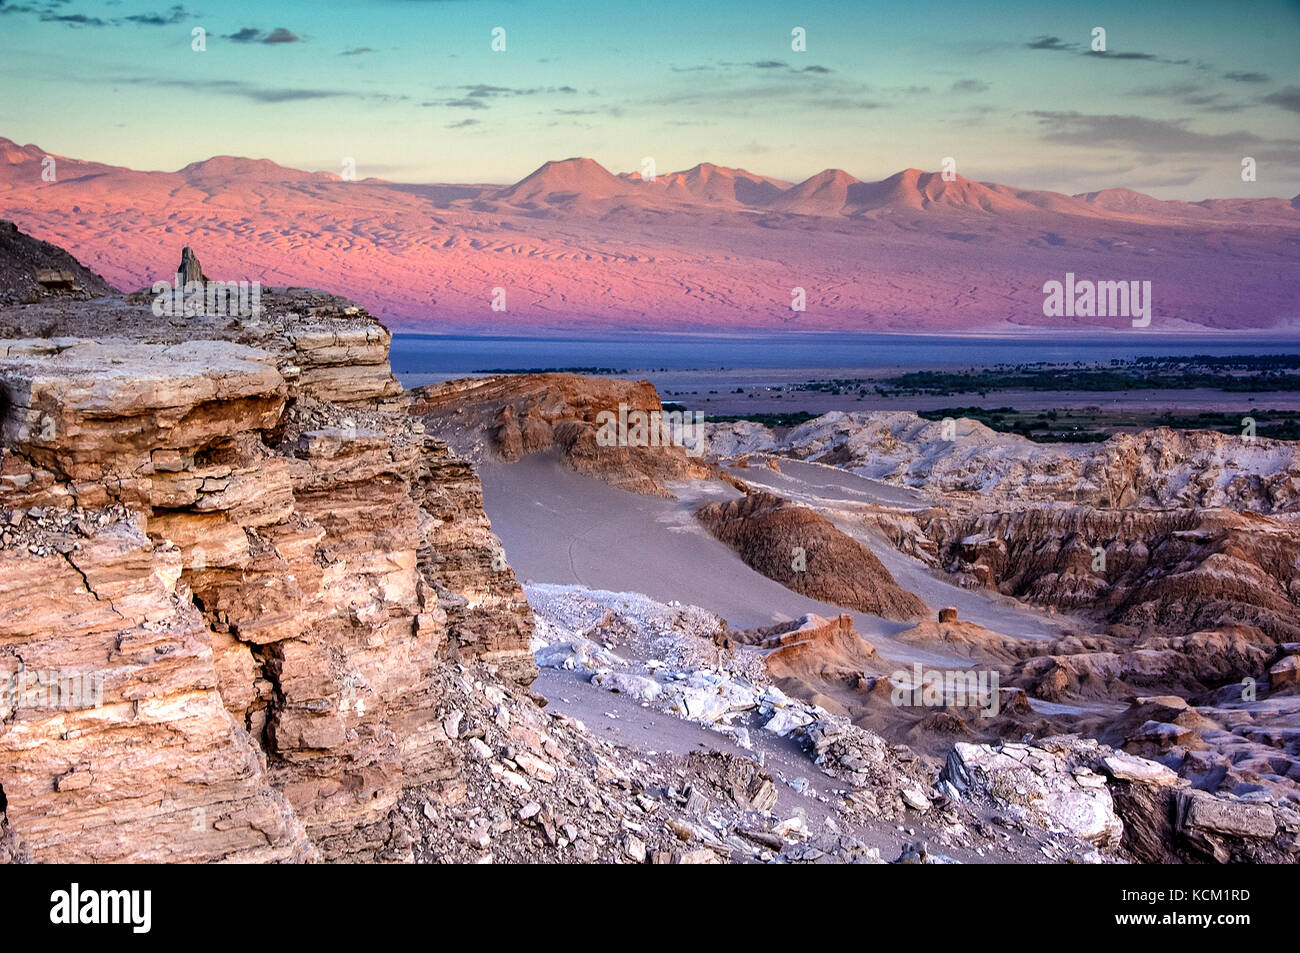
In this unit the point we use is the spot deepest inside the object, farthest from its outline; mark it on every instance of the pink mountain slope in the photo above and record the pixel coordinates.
(575, 246)
(565, 181)
(717, 184)
(826, 193)
(914, 189)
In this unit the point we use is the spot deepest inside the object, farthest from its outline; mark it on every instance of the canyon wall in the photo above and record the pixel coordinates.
(231, 531)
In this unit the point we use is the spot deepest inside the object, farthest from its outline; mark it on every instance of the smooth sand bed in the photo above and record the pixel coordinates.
(833, 492)
(562, 527)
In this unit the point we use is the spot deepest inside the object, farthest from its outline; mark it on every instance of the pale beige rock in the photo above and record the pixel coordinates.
(1127, 767)
(334, 569)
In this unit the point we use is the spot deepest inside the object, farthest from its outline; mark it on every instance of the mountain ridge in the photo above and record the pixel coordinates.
(572, 245)
(593, 179)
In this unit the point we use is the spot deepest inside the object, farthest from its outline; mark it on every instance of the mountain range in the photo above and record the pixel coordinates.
(573, 246)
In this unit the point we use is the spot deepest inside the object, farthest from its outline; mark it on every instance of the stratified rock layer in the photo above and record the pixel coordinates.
(534, 413)
(268, 564)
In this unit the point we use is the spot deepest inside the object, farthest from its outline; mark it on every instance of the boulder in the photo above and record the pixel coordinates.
(1284, 673)
(1127, 767)
(1202, 811)
(637, 686)
(786, 720)
(1046, 786)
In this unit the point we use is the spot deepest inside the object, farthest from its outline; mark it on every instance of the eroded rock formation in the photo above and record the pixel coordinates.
(1156, 468)
(1178, 569)
(802, 550)
(533, 413)
(268, 562)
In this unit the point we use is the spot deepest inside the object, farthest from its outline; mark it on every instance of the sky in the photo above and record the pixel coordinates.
(413, 91)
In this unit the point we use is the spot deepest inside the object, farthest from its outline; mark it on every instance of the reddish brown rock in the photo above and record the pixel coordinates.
(805, 552)
(531, 413)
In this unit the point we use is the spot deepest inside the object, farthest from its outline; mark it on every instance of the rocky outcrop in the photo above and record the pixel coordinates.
(516, 415)
(1149, 572)
(267, 563)
(487, 615)
(966, 640)
(1158, 468)
(1115, 799)
(32, 270)
(805, 552)
(1051, 782)
(136, 759)
(1075, 667)
(813, 649)
(190, 270)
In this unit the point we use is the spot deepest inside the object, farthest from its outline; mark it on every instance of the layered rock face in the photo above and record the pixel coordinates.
(534, 413)
(1146, 572)
(802, 550)
(813, 649)
(159, 771)
(235, 526)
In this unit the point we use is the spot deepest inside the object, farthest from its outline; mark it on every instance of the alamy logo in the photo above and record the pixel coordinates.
(652, 428)
(133, 907)
(944, 688)
(69, 691)
(1100, 299)
(214, 299)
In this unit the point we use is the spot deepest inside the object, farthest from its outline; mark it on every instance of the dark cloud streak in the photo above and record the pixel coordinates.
(258, 94)
(251, 34)
(1288, 99)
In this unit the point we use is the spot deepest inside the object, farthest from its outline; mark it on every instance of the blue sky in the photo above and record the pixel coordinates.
(412, 90)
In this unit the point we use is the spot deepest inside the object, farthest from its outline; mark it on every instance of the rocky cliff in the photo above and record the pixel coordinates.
(1146, 572)
(231, 529)
(534, 413)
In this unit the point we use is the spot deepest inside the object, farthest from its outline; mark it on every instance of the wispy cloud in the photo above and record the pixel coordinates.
(1107, 54)
(1189, 94)
(1288, 99)
(72, 19)
(258, 93)
(482, 95)
(780, 65)
(177, 14)
(251, 34)
(50, 12)
(771, 66)
(1051, 43)
(1054, 44)
(1153, 137)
